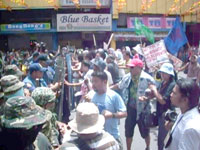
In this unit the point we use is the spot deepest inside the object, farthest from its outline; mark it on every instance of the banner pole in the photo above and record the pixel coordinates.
(94, 39)
(110, 39)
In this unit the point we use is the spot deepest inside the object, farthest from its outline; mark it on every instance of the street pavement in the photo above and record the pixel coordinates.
(138, 143)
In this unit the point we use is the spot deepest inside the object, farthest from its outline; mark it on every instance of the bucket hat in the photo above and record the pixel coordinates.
(87, 119)
(22, 112)
(167, 68)
(43, 95)
(13, 70)
(10, 83)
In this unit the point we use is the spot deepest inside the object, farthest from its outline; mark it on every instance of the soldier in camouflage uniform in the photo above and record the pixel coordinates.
(21, 124)
(11, 86)
(13, 70)
(46, 98)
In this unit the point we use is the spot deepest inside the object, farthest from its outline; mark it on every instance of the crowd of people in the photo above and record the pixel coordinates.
(107, 85)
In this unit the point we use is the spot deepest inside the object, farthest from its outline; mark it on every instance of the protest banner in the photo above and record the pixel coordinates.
(155, 55)
(177, 63)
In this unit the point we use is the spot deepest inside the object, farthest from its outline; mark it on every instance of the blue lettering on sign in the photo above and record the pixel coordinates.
(170, 22)
(155, 23)
(69, 19)
(101, 20)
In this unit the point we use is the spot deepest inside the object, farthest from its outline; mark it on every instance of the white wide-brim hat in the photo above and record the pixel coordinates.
(87, 120)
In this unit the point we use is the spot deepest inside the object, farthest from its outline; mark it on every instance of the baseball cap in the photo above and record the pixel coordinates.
(136, 62)
(36, 67)
(35, 54)
(42, 57)
(100, 64)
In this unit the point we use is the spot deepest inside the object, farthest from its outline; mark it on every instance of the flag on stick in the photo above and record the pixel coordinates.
(141, 29)
(176, 38)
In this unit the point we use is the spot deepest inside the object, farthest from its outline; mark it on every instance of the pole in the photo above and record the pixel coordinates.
(94, 39)
(110, 39)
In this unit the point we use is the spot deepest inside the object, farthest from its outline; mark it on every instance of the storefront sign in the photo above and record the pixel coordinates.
(153, 22)
(155, 55)
(88, 3)
(25, 27)
(84, 22)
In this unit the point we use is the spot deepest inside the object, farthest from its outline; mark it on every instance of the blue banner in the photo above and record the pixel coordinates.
(176, 38)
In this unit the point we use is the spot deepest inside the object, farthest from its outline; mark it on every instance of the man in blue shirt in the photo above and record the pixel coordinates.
(109, 103)
(35, 77)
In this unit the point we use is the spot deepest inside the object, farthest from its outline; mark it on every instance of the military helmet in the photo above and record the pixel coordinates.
(43, 95)
(22, 112)
(10, 83)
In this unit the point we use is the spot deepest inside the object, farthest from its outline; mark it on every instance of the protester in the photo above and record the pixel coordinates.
(89, 124)
(162, 95)
(136, 82)
(113, 68)
(127, 59)
(193, 69)
(86, 83)
(110, 104)
(21, 124)
(185, 133)
(100, 65)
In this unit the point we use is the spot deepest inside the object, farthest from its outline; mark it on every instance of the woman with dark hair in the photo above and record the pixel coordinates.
(162, 95)
(185, 133)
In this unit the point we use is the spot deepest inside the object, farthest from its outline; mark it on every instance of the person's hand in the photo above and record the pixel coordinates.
(62, 127)
(26, 92)
(168, 125)
(142, 98)
(153, 88)
(87, 98)
(107, 114)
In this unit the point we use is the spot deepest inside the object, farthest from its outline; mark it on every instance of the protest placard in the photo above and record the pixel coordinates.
(155, 55)
(177, 63)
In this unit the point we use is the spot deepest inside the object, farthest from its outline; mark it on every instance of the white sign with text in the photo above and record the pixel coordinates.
(155, 55)
(84, 22)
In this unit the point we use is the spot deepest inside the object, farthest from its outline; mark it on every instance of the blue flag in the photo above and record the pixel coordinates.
(176, 38)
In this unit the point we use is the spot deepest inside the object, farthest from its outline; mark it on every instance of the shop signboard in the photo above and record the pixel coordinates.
(83, 22)
(25, 27)
(153, 22)
(155, 55)
(86, 3)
